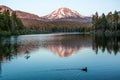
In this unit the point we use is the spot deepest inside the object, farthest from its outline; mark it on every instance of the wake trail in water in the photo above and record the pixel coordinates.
(67, 69)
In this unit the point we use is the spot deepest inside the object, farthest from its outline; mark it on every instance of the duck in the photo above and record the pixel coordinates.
(84, 69)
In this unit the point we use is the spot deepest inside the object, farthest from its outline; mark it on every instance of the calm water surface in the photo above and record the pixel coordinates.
(59, 57)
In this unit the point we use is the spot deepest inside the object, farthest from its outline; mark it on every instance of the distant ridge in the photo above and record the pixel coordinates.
(61, 14)
(4, 8)
(20, 14)
(25, 15)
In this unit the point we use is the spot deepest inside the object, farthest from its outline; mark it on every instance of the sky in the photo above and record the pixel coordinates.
(44, 7)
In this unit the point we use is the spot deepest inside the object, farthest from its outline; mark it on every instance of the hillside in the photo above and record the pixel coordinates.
(20, 14)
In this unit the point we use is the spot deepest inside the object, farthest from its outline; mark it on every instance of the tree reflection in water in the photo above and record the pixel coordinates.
(8, 48)
(62, 45)
(109, 43)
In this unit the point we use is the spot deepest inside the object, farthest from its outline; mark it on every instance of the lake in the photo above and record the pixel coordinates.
(59, 57)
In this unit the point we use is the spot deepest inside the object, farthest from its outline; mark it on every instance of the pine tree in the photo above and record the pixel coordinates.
(16, 23)
(95, 21)
(109, 20)
(115, 20)
(10, 23)
(104, 22)
(1, 21)
(6, 19)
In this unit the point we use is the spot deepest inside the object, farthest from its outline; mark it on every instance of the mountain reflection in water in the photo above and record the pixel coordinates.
(59, 57)
(62, 45)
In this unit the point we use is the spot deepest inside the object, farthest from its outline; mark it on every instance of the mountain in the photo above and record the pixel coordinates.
(25, 15)
(62, 14)
(5, 8)
(66, 14)
(20, 14)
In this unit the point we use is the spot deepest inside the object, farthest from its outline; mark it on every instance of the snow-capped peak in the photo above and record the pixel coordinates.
(63, 13)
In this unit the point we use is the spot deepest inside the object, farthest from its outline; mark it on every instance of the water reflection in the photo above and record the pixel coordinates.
(62, 45)
(109, 44)
(8, 48)
(69, 45)
(0, 68)
(70, 69)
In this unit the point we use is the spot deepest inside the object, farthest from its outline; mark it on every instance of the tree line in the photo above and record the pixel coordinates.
(109, 22)
(56, 26)
(10, 23)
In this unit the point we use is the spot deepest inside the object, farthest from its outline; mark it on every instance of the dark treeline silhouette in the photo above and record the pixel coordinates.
(10, 23)
(111, 44)
(104, 23)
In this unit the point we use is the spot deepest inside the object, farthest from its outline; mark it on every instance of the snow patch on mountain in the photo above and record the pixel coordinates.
(63, 13)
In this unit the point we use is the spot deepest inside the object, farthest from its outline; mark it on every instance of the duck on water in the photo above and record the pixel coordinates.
(82, 69)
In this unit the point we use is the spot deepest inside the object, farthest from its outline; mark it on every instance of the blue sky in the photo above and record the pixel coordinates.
(44, 7)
